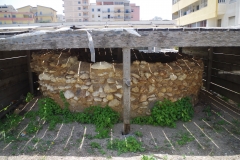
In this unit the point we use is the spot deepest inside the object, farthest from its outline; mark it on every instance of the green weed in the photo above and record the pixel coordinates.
(29, 97)
(184, 138)
(145, 157)
(138, 134)
(166, 113)
(95, 145)
(129, 144)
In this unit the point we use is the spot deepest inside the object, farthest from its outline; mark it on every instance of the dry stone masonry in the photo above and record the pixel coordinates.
(85, 84)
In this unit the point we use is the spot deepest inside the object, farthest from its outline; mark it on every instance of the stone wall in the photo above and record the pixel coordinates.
(85, 84)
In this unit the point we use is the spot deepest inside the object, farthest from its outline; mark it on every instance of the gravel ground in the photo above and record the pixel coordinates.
(214, 137)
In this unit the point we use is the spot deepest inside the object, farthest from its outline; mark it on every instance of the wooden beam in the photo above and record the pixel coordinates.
(30, 78)
(126, 90)
(119, 39)
(209, 72)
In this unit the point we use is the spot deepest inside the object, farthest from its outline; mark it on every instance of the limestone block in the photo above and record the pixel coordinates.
(110, 97)
(44, 76)
(90, 89)
(101, 65)
(143, 98)
(114, 103)
(151, 89)
(95, 94)
(135, 89)
(102, 74)
(110, 88)
(84, 76)
(76, 98)
(110, 80)
(134, 80)
(111, 74)
(173, 77)
(160, 95)
(152, 99)
(182, 77)
(96, 99)
(133, 98)
(136, 62)
(77, 86)
(90, 99)
(118, 95)
(147, 75)
(68, 94)
(143, 62)
(118, 86)
(105, 100)
(135, 75)
(87, 93)
(88, 83)
(84, 87)
(68, 87)
(102, 95)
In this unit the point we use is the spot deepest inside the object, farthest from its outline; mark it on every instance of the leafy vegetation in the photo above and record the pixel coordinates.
(145, 157)
(129, 144)
(50, 111)
(29, 97)
(166, 113)
(138, 134)
(184, 138)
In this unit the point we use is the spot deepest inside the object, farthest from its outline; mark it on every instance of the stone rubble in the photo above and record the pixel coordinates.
(101, 84)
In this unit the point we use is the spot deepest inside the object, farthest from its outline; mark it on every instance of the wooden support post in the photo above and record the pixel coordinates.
(126, 90)
(209, 73)
(30, 78)
(180, 50)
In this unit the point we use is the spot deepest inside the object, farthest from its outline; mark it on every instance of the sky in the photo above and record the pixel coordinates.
(148, 8)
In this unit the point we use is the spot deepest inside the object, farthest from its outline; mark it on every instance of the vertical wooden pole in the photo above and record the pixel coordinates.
(209, 73)
(126, 90)
(30, 78)
(180, 50)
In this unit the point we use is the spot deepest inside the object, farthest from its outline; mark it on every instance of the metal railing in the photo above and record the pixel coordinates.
(107, 11)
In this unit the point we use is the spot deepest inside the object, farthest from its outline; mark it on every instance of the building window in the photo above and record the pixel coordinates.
(93, 16)
(79, 8)
(13, 16)
(40, 13)
(9, 16)
(99, 10)
(79, 14)
(80, 20)
(92, 9)
(79, 2)
(0, 22)
(99, 16)
(108, 9)
(127, 11)
(132, 10)
(5, 16)
(108, 16)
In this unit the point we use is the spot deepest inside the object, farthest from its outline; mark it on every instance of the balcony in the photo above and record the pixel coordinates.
(44, 14)
(108, 17)
(42, 21)
(85, 15)
(118, 17)
(107, 11)
(85, 9)
(118, 12)
(85, 4)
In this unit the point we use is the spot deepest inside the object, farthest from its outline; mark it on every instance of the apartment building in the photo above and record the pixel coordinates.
(9, 15)
(135, 12)
(76, 10)
(101, 11)
(61, 18)
(42, 14)
(206, 13)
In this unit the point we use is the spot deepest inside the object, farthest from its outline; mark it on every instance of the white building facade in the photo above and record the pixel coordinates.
(76, 10)
(102, 10)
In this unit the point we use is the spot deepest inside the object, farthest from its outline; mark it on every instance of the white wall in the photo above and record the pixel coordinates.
(231, 10)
